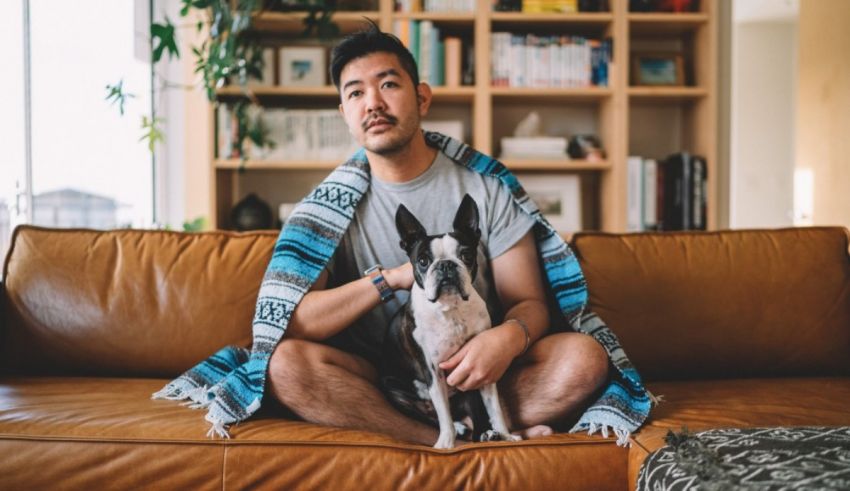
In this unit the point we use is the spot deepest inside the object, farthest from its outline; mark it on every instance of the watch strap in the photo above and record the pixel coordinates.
(376, 275)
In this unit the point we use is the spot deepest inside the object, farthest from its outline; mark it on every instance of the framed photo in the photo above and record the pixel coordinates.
(557, 196)
(303, 66)
(664, 69)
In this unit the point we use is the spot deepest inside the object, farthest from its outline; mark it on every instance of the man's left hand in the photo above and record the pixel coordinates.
(483, 359)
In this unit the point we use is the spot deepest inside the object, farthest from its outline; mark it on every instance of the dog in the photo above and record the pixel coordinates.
(443, 313)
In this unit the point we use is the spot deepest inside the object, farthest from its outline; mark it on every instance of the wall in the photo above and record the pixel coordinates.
(823, 127)
(762, 123)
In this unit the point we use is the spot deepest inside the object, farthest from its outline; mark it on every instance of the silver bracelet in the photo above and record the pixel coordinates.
(525, 330)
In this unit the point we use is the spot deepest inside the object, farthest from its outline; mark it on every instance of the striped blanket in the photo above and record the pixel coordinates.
(230, 383)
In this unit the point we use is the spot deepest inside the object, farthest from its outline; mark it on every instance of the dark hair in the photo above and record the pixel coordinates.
(365, 42)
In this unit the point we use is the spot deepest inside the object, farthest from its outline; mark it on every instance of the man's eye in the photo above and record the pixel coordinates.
(390, 84)
(354, 93)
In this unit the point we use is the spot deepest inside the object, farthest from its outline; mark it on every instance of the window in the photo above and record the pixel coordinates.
(88, 167)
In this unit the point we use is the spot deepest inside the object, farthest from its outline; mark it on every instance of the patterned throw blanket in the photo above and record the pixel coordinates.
(751, 459)
(230, 383)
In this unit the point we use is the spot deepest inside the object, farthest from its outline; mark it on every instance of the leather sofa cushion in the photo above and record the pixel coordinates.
(127, 302)
(80, 431)
(739, 403)
(749, 303)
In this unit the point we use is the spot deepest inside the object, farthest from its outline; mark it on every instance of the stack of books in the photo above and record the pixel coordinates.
(534, 147)
(667, 194)
(529, 60)
(439, 60)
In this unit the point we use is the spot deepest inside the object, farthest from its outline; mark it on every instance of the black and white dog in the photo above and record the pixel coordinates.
(443, 313)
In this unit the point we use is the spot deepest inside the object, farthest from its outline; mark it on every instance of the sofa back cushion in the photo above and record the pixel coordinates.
(127, 302)
(724, 304)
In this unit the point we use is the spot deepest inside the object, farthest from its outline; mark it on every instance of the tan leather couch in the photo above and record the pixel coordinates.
(742, 328)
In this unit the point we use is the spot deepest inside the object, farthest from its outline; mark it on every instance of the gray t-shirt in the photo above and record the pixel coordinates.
(433, 198)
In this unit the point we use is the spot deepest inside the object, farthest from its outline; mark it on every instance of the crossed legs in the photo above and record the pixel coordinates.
(327, 386)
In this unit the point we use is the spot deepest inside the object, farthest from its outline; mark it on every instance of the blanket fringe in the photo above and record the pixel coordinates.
(623, 434)
(169, 392)
(217, 428)
(655, 400)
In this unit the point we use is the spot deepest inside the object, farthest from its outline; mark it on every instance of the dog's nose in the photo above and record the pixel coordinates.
(447, 268)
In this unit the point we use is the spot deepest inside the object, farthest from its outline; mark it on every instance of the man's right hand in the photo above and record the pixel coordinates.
(400, 277)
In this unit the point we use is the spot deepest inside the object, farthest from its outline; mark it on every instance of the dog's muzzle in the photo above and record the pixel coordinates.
(448, 280)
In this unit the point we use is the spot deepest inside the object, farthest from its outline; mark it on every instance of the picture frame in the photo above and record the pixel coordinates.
(658, 69)
(303, 66)
(558, 196)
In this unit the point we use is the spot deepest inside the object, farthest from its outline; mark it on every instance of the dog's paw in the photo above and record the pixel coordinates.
(445, 440)
(495, 436)
(461, 430)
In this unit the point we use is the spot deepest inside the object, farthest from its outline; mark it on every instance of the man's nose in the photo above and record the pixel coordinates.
(374, 101)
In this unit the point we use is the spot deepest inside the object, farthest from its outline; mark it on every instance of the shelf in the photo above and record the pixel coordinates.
(526, 94)
(298, 165)
(293, 22)
(665, 24)
(329, 93)
(591, 18)
(453, 18)
(526, 165)
(662, 94)
(564, 165)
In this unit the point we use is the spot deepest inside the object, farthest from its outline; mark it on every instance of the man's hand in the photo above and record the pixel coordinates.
(485, 358)
(400, 277)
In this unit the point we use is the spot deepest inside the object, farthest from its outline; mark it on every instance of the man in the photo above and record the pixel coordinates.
(324, 368)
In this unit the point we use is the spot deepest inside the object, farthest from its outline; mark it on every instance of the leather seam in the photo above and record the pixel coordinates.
(300, 443)
(224, 466)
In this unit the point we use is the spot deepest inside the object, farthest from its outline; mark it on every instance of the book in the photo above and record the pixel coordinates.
(544, 147)
(698, 194)
(453, 54)
(634, 194)
(677, 186)
(650, 192)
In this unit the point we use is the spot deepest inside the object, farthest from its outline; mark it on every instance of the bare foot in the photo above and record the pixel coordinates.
(538, 431)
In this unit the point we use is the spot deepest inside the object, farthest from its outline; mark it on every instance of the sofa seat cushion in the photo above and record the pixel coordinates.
(108, 430)
(740, 403)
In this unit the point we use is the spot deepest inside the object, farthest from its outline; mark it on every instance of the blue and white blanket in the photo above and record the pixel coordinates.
(230, 383)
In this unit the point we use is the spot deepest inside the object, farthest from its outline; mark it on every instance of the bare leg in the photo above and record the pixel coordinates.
(552, 381)
(327, 386)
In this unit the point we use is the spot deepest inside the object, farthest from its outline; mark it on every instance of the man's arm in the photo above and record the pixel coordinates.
(484, 359)
(323, 313)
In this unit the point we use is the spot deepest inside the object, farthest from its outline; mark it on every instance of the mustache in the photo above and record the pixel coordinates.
(376, 116)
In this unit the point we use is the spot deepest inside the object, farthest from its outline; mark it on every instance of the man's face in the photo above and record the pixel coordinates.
(380, 105)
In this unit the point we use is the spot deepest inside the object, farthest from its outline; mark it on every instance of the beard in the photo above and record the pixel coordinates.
(394, 138)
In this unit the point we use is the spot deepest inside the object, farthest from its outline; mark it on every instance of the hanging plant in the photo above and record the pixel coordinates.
(230, 54)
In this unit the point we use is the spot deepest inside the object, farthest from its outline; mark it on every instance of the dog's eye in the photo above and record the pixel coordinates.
(423, 261)
(466, 256)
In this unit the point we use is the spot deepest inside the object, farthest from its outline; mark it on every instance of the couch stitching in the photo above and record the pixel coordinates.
(223, 466)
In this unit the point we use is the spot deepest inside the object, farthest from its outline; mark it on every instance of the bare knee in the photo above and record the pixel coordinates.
(579, 361)
(291, 366)
(591, 363)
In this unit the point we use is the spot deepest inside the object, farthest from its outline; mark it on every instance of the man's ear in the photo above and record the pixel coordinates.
(409, 228)
(423, 98)
(466, 219)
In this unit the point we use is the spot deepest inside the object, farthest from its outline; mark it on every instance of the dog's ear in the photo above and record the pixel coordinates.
(466, 219)
(409, 228)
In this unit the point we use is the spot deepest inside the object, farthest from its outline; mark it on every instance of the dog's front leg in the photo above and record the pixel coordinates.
(490, 396)
(439, 392)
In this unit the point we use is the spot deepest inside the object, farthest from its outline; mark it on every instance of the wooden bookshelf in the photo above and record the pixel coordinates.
(628, 119)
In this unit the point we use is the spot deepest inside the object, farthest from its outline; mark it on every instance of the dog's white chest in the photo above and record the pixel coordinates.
(441, 329)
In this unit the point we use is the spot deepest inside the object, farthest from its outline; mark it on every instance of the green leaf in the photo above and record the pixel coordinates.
(163, 39)
(116, 94)
(152, 132)
(196, 225)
